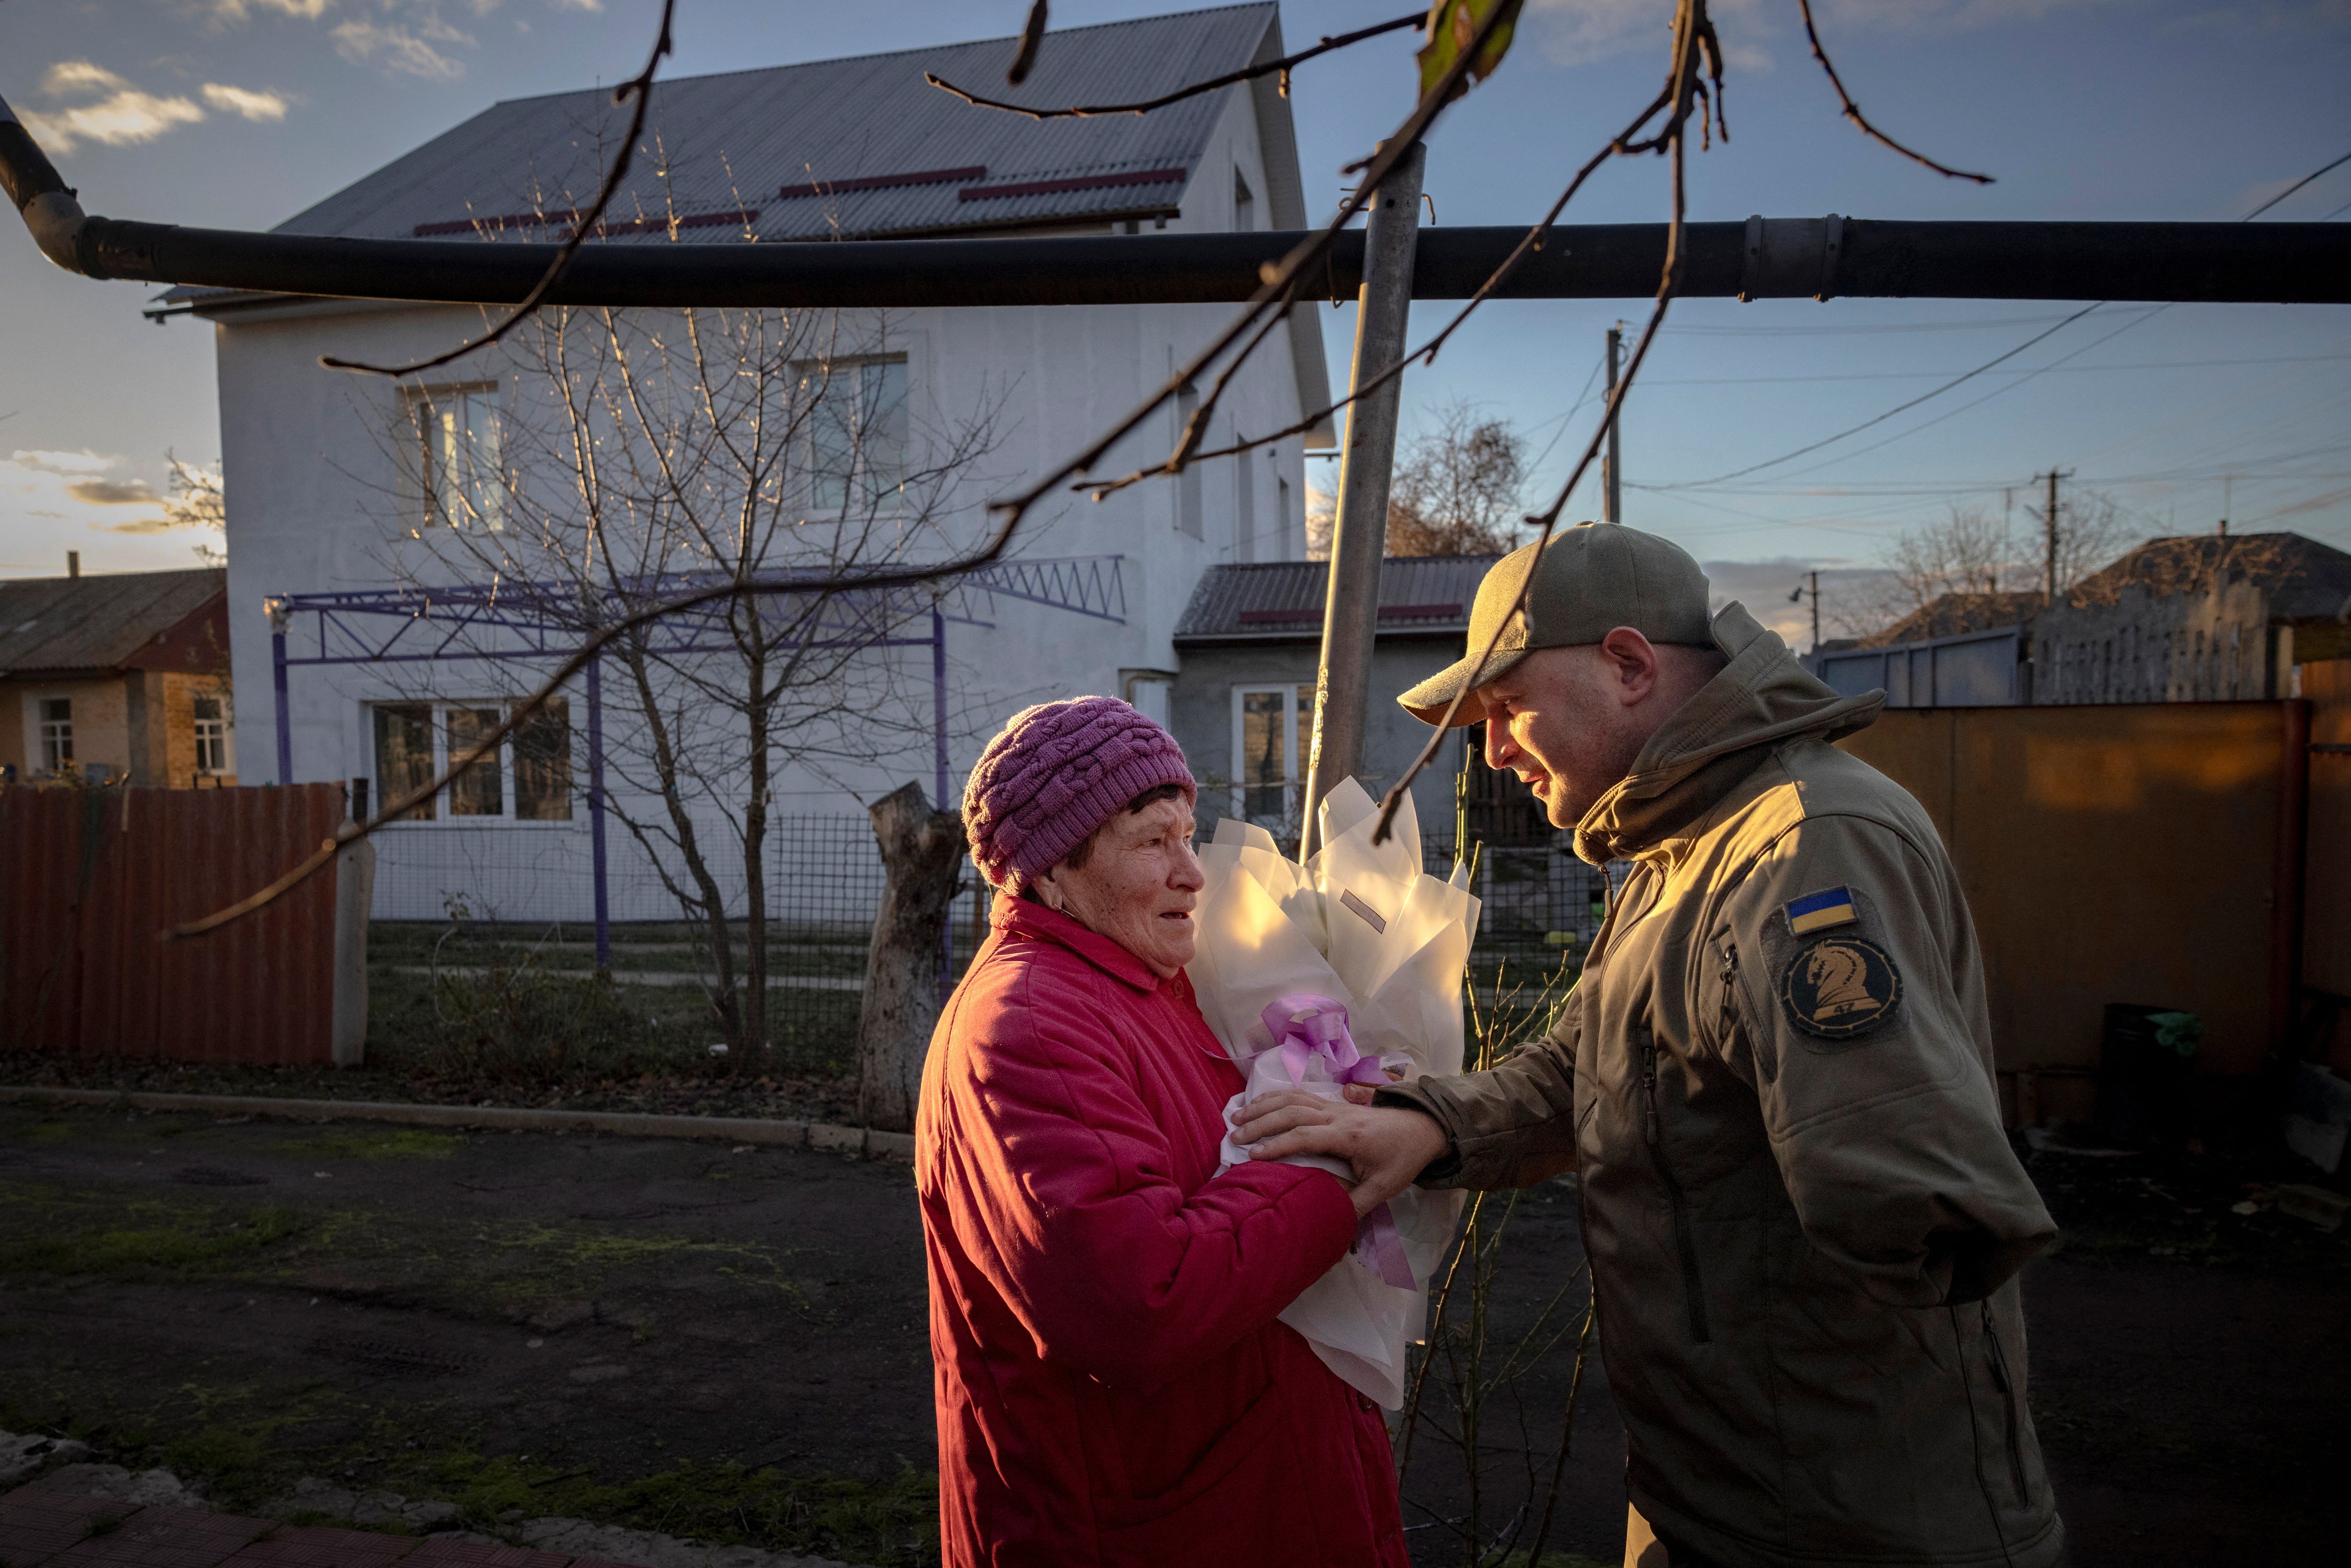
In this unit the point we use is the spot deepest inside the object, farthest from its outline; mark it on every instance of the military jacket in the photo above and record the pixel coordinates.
(1803, 1218)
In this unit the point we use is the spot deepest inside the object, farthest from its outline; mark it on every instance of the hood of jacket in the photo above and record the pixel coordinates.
(1762, 697)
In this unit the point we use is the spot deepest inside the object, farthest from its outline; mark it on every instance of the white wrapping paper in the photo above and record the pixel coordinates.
(1364, 926)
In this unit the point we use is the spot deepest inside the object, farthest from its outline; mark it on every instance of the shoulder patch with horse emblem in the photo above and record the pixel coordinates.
(1839, 986)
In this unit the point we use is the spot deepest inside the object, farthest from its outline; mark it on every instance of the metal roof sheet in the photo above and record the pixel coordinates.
(1282, 601)
(51, 624)
(716, 147)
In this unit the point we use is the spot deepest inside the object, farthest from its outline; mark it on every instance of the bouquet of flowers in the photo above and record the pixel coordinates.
(1345, 970)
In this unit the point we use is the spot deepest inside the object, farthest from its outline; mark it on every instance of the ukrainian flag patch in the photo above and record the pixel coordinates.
(1819, 911)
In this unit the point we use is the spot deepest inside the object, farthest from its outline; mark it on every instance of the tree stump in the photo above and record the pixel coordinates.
(921, 857)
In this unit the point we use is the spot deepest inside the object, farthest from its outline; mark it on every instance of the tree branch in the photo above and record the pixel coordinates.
(1853, 109)
(640, 87)
(1229, 79)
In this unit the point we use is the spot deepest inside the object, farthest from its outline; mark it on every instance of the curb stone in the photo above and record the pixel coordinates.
(866, 1142)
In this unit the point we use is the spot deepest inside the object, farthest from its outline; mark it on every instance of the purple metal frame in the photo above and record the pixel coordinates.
(541, 620)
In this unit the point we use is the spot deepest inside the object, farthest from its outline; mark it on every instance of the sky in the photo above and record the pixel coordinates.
(238, 113)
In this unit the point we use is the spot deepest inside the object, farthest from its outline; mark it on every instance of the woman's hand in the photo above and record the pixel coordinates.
(1388, 1147)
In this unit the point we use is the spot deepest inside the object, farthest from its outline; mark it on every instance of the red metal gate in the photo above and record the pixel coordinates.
(89, 879)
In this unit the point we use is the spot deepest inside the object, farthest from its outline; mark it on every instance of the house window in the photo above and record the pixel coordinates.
(857, 432)
(1281, 516)
(212, 736)
(459, 454)
(56, 720)
(1244, 203)
(526, 777)
(1274, 729)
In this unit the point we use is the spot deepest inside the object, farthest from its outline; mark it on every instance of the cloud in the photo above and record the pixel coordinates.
(1849, 594)
(112, 491)
(1578, 32)
(77, 488)
(265, 105)
(239, 10)
(2308, 17)
(120, 115)
(408, 50)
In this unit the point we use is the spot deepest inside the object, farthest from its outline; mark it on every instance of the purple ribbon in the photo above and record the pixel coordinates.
(1305, 1026)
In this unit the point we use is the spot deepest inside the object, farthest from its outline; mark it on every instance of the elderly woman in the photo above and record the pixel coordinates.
(1112, 1386)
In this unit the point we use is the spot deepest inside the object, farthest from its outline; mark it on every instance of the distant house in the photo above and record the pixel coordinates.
(1243, 696)
(2199, 618)
(117, 678)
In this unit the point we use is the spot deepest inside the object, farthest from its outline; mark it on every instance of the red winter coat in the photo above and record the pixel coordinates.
(1113, 1387)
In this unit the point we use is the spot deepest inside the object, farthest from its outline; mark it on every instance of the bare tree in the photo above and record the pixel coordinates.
(1457, 486)
(1970, 551)
(637, 454)
(2090, 530)
(195, 502)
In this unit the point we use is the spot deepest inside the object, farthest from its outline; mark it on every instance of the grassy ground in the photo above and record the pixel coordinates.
(666, 1336)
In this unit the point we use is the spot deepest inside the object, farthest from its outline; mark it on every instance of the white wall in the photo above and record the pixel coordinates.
(311, 490)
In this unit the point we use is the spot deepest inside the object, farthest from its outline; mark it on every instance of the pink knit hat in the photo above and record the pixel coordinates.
(1058, 771)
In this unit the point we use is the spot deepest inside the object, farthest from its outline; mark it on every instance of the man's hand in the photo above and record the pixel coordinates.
(1386, 1146)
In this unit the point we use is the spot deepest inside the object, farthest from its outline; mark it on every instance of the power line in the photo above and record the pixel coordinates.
(1880, 329)
(1988, 364)
(2045, 369)
(2297, 185)
(1889, 413)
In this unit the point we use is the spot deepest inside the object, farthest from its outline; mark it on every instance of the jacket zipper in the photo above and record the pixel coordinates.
(1730, 985)
(2007, 1391)
(1684, 1241)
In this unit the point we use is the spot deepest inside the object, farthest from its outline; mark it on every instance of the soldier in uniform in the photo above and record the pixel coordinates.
(1774, 1081)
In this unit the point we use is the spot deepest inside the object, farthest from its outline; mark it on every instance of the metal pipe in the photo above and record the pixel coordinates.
(277, 678)
(598, 863)
(2260, 263)
(1760, 258)
(939, 748)
(1351, 606)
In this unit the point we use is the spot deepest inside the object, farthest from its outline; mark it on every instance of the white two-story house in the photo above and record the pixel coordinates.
(419, 490)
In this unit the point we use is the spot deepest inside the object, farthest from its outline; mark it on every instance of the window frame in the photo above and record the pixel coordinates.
(484, 508)
(889, 502)
(1297, 732)
(438, 816)
(225, 739)
(62, 763)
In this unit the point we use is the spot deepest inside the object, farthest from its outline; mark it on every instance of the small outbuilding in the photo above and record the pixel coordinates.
(1242, 698)
(120, 678)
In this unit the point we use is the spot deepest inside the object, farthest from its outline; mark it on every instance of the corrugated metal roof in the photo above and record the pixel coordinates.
(51, 625)
(730, 143)
(1282, 601)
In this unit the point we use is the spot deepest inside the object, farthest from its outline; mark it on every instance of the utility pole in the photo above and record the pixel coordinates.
(2049, 537)
(1611, 499)
(1797, 598)
(1359, 529)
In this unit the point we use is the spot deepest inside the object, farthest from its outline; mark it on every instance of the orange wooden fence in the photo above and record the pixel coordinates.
(89, 877)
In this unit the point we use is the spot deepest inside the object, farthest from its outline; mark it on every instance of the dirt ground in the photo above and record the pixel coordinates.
(679, 1336)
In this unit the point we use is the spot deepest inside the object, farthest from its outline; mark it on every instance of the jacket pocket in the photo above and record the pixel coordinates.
(1997, 1359)
(1685, 1237)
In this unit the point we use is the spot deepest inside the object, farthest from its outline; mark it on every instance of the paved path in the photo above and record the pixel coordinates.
(42, 1528)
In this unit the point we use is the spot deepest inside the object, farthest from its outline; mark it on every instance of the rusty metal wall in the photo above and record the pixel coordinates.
(89, 877)
(2326, 881)
(2146, 852)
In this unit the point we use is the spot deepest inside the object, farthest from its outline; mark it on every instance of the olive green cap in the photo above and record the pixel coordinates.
(1592, 579)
